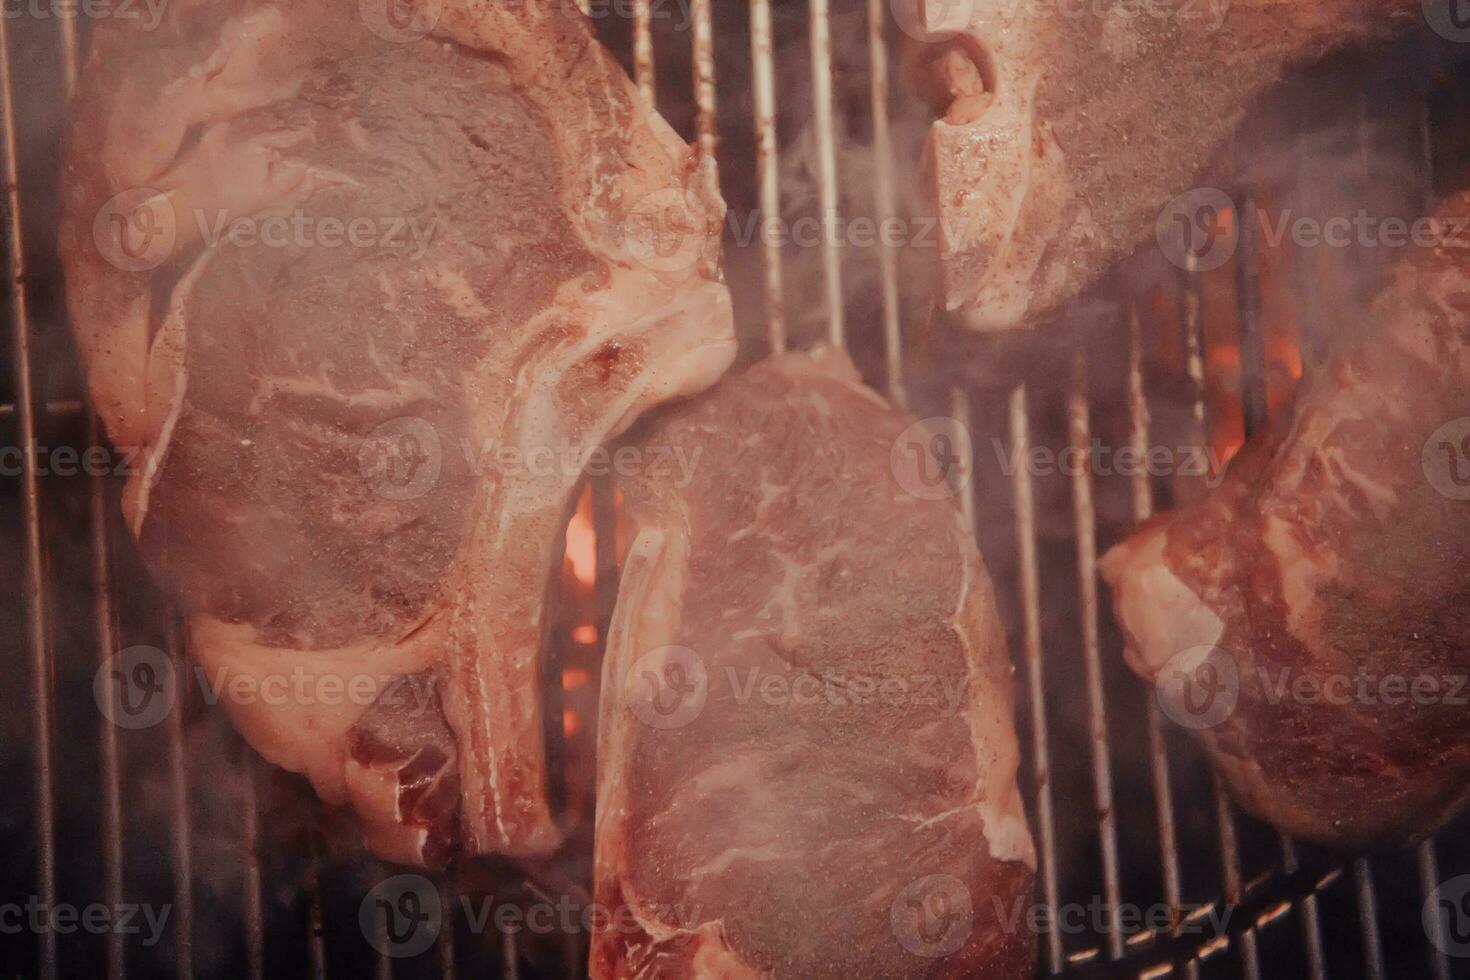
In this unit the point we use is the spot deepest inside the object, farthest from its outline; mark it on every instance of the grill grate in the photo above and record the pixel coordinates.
(1288, 889)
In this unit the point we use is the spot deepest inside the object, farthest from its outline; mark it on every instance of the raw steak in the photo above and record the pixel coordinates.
(1065, 129)
(807, 762)
(366, 282)
(1310, 618)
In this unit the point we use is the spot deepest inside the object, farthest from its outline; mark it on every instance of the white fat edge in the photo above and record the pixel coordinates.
(646, 617)
(311, 738)
(116, 353)
(991, 721)
(167, 384)
(1160, 614)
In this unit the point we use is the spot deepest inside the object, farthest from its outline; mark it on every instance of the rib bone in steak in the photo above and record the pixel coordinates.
(366, 289)
(1310, 617)
(807, 760)
(1065, 128)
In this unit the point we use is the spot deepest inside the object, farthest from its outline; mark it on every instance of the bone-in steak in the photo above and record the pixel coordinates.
(1065, 130)
(365, 290)
(807, 759)
(1309, 618)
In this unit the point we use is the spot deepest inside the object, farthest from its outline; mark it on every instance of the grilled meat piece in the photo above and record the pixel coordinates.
(1310, 617)
(366, 290)
(1065, 129)
(807, 755)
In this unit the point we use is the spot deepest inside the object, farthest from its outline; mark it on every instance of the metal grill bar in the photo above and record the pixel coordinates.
(112, 818)
(250, 844)
(821, 41)
(884, 198)
(1143, 509)
(643, 69)
(767, 165)
(51, 408)
(1311, 919)
(447, 901)
(1085, 518)
(1428, 882)
(1025, 504)
(38, 639)
(704, 78)
(316, 953)
(183, 855)
(1368, 918)
(104, 615)
(1250, 961)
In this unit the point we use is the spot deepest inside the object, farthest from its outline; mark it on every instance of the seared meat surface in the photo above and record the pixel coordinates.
(807, 759)
(1310, 617)
(1065, 129)
(366, 291)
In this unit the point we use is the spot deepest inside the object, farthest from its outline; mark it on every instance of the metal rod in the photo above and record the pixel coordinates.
(1252, 335)
(250, 842)
(183, 854)
(447, 900)
(1025, 504)
(383, 968)
(821, 40)
(103, 613)
(1428, 883)
(1194, 359)
(1250, 960)
(316, 953)
(704, 79)
(643, 69)
(885, 199)
(70, 57)
(1311, 919)
(1368, 919)
(55, 407)
(767, 165)
(1143, 509)
(33, 587)
(1085, 515)
(510, 957)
